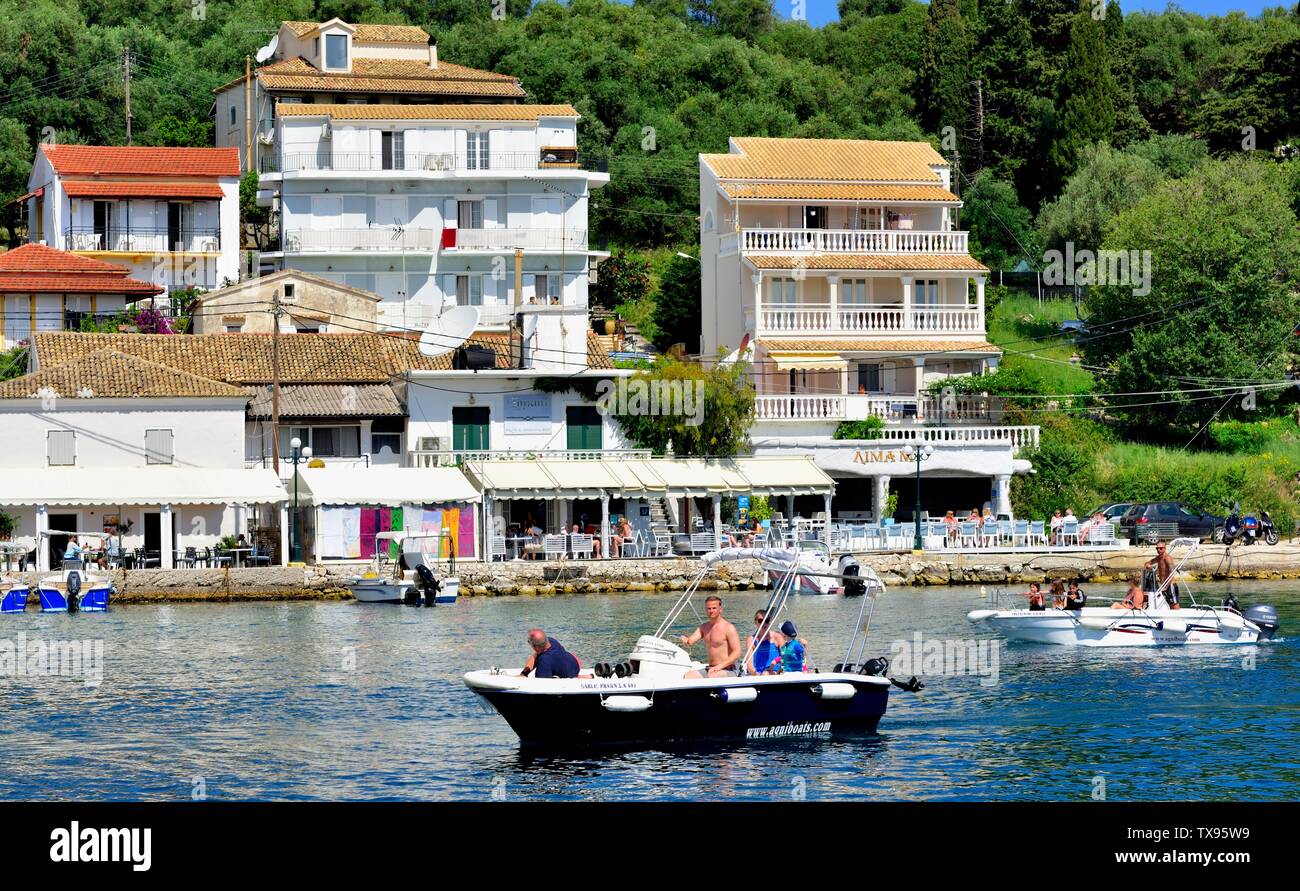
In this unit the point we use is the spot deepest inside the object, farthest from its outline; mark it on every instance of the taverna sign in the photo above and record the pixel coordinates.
(877, 456)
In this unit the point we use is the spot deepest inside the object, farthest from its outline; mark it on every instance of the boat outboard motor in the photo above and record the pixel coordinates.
(850, 570)
(74, 591)
(1263, 615)
(428, 584)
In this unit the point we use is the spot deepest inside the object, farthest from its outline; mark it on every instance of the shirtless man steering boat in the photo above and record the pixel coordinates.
(721, 638)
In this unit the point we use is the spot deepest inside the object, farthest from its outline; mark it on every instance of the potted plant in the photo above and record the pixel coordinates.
(8, 523)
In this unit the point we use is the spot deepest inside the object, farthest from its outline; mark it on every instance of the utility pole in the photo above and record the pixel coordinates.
(979, 124)
(277, 310)
(248, 110)
(126, 73)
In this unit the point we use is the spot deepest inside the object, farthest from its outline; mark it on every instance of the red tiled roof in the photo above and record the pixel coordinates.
(142, 190)
(142, 161)
(40, 269)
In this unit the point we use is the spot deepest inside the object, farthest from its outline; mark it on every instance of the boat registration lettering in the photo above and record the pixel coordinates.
(607, 685)
(788, 730)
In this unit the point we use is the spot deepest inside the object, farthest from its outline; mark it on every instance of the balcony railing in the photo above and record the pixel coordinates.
(413, 162)
(414, 315)
(451, 458)
(527, 239)
(852, 241)
(158, 240)
(373, 239)
(873, 318)
(859, 407)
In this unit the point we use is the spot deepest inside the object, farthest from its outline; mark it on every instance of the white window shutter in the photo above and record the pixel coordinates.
(449, 215)
(490, 220)
(888, 377)
(449, 288)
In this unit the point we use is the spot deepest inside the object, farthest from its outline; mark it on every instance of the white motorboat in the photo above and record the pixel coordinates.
(1158, 624)
(414, 578)
(820, 575)
(648, 698)
(74, 588)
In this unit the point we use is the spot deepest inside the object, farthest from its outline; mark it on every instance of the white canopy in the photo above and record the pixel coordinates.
(113, 486)
(383, 486)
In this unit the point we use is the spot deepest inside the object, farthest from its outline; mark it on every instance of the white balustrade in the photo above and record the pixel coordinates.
(527, 239)
(858, 318)
(373, 239)
(852, 241)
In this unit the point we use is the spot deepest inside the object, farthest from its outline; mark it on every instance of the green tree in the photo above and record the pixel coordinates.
(1106, 182)
(869, 8)
(623, 278)
(722, 395)
(1086, 95)
(1223, 298)
(744, 19)
(944, 77)
(677, 306)
(16, 153)
(171, 130)
(1001, 230)
(13, 362)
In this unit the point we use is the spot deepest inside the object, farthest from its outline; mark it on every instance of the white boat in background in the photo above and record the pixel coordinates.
(414, 578)
(1158, 624)
(820, 573)
(74, 588)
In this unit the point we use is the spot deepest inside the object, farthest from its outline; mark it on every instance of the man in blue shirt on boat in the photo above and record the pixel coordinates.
(549, 659)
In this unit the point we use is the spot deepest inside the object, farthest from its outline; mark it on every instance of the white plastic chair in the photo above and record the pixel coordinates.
(555, 547)
(1070, 531)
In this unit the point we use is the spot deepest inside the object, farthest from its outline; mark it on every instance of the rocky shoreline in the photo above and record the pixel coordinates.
(1212, 562)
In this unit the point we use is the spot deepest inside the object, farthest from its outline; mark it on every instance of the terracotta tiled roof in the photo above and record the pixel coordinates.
(830, 160)
(142, 190)
(110, 374)
(900, 262)
(389, 76)
(328, 401)
(771, 344)
(86, 160)
(304, 358)
(837, 192)
(370, 33)
(40, 269)
(293, 276)
(463, 112)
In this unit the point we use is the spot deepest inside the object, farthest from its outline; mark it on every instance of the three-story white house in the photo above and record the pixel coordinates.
(840, 267)
(432, 206)
(169, 215)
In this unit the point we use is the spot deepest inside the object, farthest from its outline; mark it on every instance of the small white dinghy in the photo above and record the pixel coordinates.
(1158, 624)
(415, 578)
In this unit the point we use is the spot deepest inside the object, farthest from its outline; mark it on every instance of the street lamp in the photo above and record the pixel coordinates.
(299, 454)
(920, 453)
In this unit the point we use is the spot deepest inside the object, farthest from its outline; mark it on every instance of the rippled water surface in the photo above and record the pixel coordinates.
(344, 701)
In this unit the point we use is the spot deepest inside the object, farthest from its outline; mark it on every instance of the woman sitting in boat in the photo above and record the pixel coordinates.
(765, 657)
(1136, 597)
(1058, 594)
(1035, 595)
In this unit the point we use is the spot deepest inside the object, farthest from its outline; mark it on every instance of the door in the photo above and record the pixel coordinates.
(814, 217)
(103, 225)
(470, 428)
(175, 230)
(582, 423)
(153, 532)
(59, 543)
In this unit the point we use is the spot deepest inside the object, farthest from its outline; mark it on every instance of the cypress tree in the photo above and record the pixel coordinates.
(945, 69)
(1086, 94)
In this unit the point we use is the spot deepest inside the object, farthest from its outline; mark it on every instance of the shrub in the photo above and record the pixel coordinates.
(868, 428)
(1247, 437)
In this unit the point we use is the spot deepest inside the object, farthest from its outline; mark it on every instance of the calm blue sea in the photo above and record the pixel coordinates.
(351, 702)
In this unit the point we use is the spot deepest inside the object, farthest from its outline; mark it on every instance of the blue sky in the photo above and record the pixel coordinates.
(822, 11)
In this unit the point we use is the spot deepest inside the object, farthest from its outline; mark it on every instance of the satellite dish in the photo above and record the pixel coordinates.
(268, 51)
(449, 331)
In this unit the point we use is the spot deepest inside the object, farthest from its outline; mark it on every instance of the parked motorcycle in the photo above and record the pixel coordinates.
(1239, 528)
(1267, 530)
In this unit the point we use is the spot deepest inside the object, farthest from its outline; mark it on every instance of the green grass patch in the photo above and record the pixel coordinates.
(1028, 332)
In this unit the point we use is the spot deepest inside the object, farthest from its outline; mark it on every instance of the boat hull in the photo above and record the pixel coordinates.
(379, 591)
(14, 600)
(1094, 627)
(590, 711)
(92, 600)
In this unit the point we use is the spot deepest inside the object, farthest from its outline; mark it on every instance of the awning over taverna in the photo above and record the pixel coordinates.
(552, 478)
(801, 361)
(383, 486)
(113, 486)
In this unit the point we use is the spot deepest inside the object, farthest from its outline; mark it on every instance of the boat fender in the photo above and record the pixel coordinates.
(833, 691)
(736, 694)
(875, 666)
(626, 703)
(911, 686)
(74, 589)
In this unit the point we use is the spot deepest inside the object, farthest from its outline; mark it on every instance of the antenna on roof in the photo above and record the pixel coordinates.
(268, 51)
(448, 331)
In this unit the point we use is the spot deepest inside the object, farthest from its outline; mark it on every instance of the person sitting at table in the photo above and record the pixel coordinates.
(73, 551)
(622, 534)
(533, 549)
(755, 530)
(1056, 527)
(950, 521)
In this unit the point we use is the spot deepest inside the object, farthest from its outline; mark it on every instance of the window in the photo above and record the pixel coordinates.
(234, 329)
(469, 428)
(288, 291)
(476, 151)
(583, 427)
(781, 292)
(61, 447)
(814, 217)
(325, 442)
(854, 292)
(868, 377)
(308, 328)
(925, 292)
(392, 150)
(158, 446)
(548, 286)
(234, 116)
(336, 51)
(469, 214)
(469, 290)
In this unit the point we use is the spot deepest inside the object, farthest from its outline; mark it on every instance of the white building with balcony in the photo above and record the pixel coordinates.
(432, 206)
(169, 215)
(840, 267)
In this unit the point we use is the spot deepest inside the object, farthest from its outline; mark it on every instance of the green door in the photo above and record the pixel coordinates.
(469, 429)
(583, 425)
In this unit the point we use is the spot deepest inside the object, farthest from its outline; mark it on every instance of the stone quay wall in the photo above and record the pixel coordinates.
(537, 578)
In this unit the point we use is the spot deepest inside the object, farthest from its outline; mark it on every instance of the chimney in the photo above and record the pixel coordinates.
(433, 52)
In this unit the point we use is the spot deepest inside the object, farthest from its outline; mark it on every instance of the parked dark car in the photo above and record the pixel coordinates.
(1112, 512)
(1148, 520)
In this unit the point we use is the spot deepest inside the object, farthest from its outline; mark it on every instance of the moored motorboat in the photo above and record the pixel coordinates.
(74, 588)
(814, 557)
(647, 698)
(415, 578)
(13, 592)
(1160, 623)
